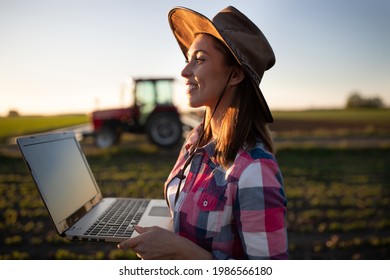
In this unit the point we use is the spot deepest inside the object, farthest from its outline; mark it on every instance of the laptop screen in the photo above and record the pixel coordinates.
(62, 176)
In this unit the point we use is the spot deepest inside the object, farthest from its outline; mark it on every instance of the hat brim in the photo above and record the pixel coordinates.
(186, 24)
(263, 104)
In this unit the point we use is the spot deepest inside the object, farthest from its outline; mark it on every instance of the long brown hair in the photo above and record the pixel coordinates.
(243, 123)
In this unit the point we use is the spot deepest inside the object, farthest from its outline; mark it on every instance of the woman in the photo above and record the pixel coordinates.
(225, 191)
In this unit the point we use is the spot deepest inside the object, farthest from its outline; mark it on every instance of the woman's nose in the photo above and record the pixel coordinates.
(186, 72)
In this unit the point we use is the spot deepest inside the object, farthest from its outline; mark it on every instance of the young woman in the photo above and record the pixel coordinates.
(225, 191)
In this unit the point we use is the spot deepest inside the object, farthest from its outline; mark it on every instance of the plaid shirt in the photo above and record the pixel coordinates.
(238, 213)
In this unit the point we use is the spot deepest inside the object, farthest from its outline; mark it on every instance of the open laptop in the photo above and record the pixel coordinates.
(73, 199)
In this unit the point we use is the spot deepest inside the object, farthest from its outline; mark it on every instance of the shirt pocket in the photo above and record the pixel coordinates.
(211, 206)
(211, 202)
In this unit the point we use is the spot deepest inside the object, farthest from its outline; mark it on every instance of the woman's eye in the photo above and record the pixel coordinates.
(199, 59)
(195, 60)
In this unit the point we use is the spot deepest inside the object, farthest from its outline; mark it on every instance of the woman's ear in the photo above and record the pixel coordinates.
(237, 76)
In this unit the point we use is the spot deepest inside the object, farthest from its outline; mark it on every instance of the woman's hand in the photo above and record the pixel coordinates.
(158, 243)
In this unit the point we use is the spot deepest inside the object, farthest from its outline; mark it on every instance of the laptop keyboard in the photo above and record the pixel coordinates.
(119, 220)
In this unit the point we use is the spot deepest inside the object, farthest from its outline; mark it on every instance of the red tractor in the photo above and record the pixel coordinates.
(152, 113)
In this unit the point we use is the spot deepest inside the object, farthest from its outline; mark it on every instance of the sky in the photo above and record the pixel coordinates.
(75, 56)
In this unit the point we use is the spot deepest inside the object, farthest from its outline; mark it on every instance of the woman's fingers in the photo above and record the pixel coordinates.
(131, 243)
(128, 243)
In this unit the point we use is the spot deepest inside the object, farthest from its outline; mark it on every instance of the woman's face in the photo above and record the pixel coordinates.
(206, 72)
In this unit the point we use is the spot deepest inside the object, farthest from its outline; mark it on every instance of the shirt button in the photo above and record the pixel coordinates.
(205, 203)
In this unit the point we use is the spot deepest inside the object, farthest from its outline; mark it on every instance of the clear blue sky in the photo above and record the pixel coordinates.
(61, 56)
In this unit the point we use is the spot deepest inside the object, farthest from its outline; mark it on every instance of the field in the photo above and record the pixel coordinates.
(16, 126)
(338, 195)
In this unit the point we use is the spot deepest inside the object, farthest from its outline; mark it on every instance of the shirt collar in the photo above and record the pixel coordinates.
(209, 148)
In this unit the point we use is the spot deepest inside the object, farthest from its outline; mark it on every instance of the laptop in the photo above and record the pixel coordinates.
(73, 199)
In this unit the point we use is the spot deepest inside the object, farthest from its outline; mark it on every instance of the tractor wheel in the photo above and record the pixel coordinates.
(106, 137)
(164, 129)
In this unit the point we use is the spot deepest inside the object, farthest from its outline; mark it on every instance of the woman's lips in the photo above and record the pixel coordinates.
(191, 86)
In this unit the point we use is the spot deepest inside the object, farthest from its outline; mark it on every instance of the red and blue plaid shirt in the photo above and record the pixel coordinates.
(238, 213)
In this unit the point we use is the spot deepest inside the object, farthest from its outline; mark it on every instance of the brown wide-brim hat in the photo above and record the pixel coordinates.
(240, 35)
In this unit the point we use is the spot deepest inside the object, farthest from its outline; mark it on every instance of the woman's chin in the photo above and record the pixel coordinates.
(194, 103)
